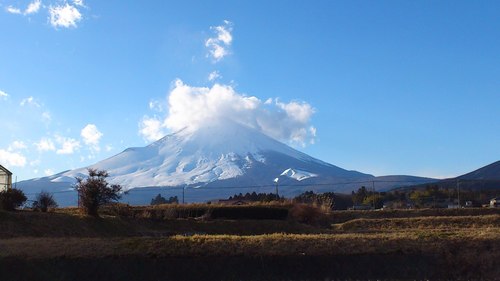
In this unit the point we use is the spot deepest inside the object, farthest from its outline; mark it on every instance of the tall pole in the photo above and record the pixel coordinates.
(458, 191)
(277, 194)
(373, 194)
(183, 188)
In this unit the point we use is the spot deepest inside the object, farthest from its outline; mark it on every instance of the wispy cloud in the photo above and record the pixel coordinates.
(17, 145)
(64, 16)
(156, 105)
(45, 144)
(30, 101)
(68, 145)
(12, 158)
(3, 95)
(13, 10)
(79, 3)
(48, 172)
(61, 13)
(151, 128)
(218, 45)
(33, 7)
(214, 75)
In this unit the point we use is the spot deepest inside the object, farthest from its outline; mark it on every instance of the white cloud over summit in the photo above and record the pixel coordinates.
(192, 107)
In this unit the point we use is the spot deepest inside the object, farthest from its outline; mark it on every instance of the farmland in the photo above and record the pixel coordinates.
(256, 242)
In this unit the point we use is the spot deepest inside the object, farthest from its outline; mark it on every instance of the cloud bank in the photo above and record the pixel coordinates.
(192, 107)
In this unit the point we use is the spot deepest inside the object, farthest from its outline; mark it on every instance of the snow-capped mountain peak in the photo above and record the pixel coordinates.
(220, 154)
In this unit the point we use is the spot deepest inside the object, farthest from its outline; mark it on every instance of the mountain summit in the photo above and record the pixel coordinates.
(218, 154)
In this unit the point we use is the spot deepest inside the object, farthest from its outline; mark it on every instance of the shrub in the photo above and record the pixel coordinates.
(44, 201)
(308, 214)
(11, 198)
(94, 191)
(249, 213)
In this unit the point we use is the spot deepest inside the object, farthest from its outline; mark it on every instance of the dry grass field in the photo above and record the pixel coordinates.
(307, 244)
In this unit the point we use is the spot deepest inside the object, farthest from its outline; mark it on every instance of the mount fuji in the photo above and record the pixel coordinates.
(212, 161)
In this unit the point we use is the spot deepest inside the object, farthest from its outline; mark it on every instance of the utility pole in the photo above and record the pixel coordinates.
(277, 194)
(458, 191)
(276, 180)
(373, 194)
(183, 188)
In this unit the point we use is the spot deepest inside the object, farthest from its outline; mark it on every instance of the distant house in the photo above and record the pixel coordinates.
(5, 179)
(495, 202)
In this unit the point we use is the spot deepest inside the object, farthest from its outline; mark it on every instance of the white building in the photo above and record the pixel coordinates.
(5, 178)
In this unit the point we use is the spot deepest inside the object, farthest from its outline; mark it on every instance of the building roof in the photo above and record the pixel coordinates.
(2, 168)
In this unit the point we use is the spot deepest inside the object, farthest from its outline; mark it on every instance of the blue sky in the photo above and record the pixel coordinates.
(382, 87)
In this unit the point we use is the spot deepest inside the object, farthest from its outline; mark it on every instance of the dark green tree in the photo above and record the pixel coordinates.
(359, 196)
(173, 200)
(11, 199)
(158, 200)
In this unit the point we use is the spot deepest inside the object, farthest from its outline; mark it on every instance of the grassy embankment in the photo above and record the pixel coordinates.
(200, 242)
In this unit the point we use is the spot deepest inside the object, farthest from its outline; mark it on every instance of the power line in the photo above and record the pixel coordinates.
(334, 184)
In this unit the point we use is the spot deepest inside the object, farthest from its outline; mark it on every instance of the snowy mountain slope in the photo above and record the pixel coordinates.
(222, 154)
(217, 152)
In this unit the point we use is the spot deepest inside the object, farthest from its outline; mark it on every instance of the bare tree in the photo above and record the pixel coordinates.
(44, 201)
(94, 191)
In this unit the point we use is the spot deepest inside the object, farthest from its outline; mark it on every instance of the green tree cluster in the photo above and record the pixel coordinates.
(11, 199)
(158, 200)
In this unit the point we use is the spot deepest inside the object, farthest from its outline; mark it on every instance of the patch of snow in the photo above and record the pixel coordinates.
(297, 174)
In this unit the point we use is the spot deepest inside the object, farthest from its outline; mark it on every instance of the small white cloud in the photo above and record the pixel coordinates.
(3, 95)
(214, 75)
(156, 105)
(64, 16)
(299, 111)
(48, 172)
(35, 162)
(17, 145)
(108, 148)
(78, 3)
(91, 135)
(29, 101)
(68, 145)
(13, 10)
(15, 159)
(33, 7)
(218, 46)
(46, 117)
(45, 144)
(151, 129)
